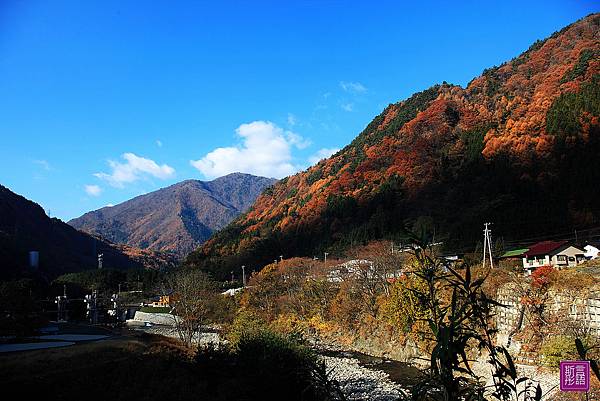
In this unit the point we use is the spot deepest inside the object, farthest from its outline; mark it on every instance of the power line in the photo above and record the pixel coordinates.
(555, 237)
(562, 236)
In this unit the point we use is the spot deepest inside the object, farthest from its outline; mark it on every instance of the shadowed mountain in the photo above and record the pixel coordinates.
(25, 227)
(518, 146)
(177, 218)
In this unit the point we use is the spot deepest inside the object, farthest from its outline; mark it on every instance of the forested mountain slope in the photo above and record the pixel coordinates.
(519, 146)
(25, 227)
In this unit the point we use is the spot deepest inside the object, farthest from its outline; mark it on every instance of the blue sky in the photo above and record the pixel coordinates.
(102, 101)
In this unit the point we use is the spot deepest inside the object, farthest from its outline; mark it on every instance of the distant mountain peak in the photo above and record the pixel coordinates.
(177, 218)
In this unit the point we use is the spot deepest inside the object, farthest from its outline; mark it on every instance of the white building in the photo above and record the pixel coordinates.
(557, 254)
(592, 250)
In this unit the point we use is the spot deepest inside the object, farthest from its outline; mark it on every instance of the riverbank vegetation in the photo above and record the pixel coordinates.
(408, 305)
(415, 304)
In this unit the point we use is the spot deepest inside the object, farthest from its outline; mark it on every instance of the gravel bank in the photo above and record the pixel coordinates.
(548, 379)
(360, 383)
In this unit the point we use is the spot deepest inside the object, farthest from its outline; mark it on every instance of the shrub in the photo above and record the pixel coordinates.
(543, 277)
(21, 314)
(267, 366)
(401, 308)
(556, 349)
(244, 323)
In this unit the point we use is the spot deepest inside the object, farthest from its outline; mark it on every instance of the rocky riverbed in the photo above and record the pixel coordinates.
(363, 377)
(357, 380)
(361, 383)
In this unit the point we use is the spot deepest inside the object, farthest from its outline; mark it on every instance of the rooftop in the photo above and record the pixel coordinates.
(514, 253)
(544, 247)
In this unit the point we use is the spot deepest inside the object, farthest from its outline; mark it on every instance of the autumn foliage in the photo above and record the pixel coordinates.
(517, 146)
(542, 277)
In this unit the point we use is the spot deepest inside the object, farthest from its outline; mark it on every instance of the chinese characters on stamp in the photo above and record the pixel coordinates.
(574, 375)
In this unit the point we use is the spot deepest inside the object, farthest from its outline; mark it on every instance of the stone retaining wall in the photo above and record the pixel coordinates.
(564, 307)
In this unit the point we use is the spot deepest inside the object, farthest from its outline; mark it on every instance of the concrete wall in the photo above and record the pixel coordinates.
(507, 318)
(568, 306)
(155, 318)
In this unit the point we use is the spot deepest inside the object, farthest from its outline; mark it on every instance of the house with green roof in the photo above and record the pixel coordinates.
(514, 253)
(513, 257)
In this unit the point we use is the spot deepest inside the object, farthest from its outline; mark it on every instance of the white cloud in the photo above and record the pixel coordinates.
(43, 164)
(266, 150)
(109, 205)
(93, 190)
(322, 154)
(297, 140)
(135, 168)
(353, 87)
(159, 143)
(347, 106)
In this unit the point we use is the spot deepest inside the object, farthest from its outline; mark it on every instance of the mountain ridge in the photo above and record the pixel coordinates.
(25, 227)
(176, 218)
(518, 146)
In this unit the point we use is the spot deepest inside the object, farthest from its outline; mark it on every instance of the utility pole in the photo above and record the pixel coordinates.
(116, 307)
(91, 301)
(61, 306)
(487, 244)
(244, 276)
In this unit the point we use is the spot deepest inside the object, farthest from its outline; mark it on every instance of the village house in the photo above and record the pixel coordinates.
(513, 258)
(558, 254)
(163, 301)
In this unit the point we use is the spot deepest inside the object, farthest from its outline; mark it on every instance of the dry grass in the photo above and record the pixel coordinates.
(136, 366)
